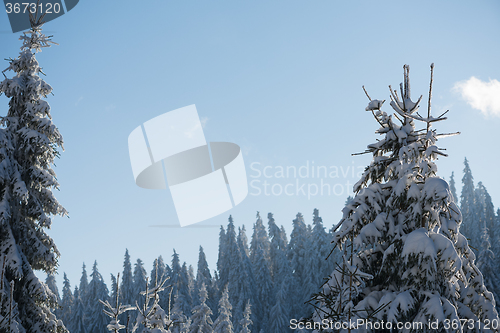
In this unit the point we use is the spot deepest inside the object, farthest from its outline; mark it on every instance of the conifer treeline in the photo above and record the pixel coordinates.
(263, 278)
(266, 281)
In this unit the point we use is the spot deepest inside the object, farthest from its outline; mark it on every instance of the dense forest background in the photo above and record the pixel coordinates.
(273, 273)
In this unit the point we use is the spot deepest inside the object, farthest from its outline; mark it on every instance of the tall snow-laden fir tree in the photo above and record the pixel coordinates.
(115, 288)
(320, 267)
(484, 207)
(453, 188)
(259, 239)
(29, 143)
(186, 288)
(203, 275)
(97, 290)
(263, 290)
(279, 315)
(245, 322)
(84, 284)
(179, 320)
(486, 263)
(297, 254)
(78, 320)
(160, 271)
(468, 204)
(200, 320)
(50, 281)
(408, 261)
(127, 292)
(223, 322)
(66, 301)
(247, 286)
(140, 277)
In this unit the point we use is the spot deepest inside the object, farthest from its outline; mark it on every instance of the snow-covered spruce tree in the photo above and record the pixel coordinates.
(179, 320)
(486, 263)
(127, 292)
(66, 301)
(453, 188)
(223, 322)
(468, 205)
(186, 288)
(140, 276)
(245, 322)
(247, 287)
(29, 143)
(96, 320)
(50, 281)
(408, 262)
(279, 315)
(203, 276)
(78, 316)
(200, 320)
(298, 250)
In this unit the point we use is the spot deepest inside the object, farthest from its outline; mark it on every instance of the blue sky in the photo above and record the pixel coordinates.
(282, 79)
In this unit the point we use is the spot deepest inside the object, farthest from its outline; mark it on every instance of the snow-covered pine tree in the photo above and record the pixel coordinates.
(140, 276)
(185, 288)
(127, 292)
(84, 284)
(223, 322)
(279, 316)
(320, 246)
(114, 287)
(160, 272)
(408, 261)
(486, 263)
(485, 208)
(97, 291)
(203, 276)
(178, 318)
(247, 286)
(259, 239)
(78, 316)
(231, 267)
(50, 281)
(245, 322)
(66, 302)
(222, 272)
(453, 187)
(29, 143)
(200, 320)
(263, 289)
(469, 227)
(297, 254)
(175, 278)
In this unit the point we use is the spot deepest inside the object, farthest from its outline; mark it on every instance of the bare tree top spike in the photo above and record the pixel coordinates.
(36, 21)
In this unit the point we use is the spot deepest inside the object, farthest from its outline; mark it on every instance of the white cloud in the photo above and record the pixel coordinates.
(483, 96)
